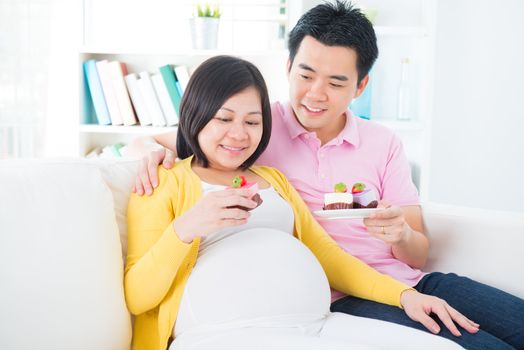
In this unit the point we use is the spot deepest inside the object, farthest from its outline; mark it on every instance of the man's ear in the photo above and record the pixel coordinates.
(362, 86)
(288, 68)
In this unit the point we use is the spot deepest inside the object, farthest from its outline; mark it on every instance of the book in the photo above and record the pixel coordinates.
(117, 70)
(96, 93)
(137, 99)
(169, 77)
(180, 90)
(111, 151)
(153, 105)
(182, 74)
(165, 101)
(109, 93)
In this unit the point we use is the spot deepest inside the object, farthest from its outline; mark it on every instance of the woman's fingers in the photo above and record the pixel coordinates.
(445, 317)
(232, 222)
(234, 198)
(428, 322)
(244, 192)
(233, 213)
(461, 320)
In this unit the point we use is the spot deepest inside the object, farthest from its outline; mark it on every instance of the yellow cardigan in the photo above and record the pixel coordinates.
(159, 263)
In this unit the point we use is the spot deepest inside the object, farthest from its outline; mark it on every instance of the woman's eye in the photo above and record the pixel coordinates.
(223, 119)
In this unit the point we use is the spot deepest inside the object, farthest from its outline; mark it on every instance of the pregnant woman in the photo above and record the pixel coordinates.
(211, 268)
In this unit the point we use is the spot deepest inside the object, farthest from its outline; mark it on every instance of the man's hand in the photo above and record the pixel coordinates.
(389, 224)
(420, 306)
(394, 225)
(147, 176)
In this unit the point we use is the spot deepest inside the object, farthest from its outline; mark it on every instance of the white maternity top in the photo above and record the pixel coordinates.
(257, 274)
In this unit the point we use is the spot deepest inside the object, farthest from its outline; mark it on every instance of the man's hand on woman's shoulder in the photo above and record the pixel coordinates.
(153, 150)
(147, 176)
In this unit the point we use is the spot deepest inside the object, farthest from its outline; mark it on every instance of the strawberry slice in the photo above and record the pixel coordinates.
(240, 181)
(358, 187)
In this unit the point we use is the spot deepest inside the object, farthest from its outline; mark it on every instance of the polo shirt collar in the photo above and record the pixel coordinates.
(349, 134)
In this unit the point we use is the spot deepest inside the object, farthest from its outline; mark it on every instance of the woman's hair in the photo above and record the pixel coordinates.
(210, 86)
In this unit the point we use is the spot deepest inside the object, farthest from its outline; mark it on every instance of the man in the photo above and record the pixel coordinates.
(316, 142)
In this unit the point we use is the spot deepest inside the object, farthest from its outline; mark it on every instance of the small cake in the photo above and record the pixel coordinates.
(240, 182)
(340, 199)
(363, 198)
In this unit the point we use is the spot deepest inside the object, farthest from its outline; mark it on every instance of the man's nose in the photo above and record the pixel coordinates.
(317, 91)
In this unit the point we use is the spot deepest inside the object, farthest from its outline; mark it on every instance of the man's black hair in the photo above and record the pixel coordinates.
(337, 24)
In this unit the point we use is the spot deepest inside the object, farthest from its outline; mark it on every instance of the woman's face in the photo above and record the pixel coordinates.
(234, 133)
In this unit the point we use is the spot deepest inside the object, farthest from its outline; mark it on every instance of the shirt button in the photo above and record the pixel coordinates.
(321, 155)
(306, 136)
(322, 176)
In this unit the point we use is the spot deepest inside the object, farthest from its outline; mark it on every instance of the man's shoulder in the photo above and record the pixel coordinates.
(279, 128)
(372, 126)
(370, 130)
(269, 172)
(266, 170)
(278, 110)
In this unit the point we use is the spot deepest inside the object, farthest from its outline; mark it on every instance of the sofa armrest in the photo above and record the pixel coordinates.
(481, 244)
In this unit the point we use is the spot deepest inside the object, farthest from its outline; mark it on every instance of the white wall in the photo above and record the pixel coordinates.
(65, 38)
(477, 141)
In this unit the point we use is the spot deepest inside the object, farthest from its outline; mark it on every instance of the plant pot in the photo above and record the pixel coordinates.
(204, 32)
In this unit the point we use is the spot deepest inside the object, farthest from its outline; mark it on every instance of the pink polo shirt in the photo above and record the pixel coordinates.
(364, 151)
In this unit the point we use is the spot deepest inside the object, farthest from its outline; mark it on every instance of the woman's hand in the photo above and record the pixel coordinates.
(389, 224)
(420, 306)
(213, 213)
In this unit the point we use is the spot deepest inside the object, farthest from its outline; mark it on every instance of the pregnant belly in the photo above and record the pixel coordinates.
(254, 274)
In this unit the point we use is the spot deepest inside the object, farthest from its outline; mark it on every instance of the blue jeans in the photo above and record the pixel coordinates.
(500, 315)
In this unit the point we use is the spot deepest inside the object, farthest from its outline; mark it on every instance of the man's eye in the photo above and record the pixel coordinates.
(336, 85)
(253, 123)
(305, 77)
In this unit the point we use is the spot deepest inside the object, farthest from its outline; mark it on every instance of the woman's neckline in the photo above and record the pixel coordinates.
(226, 185)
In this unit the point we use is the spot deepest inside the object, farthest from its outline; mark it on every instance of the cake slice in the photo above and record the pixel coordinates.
(363, 198)
(240, 182)
(340, 199)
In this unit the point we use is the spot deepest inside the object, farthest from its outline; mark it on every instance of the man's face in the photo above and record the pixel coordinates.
(322, 83)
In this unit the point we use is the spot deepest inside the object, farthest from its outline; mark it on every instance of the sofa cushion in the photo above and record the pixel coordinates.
(485, 245)
(60, 257)
(120, 178)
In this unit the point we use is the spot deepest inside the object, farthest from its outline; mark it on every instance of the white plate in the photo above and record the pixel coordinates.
(345, 213)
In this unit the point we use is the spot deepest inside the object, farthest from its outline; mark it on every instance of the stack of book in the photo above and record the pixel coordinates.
(116, 150)
(122, 98)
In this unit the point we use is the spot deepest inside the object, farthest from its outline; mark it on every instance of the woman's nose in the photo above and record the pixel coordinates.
(237, 131)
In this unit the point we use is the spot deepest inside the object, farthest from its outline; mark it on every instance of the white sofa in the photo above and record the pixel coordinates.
(61, 265)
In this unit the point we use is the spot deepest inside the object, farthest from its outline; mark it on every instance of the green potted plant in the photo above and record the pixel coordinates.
(204, 27)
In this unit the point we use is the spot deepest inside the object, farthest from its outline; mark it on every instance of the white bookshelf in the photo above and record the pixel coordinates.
(271, 63)
(400, 34)
(406, 29)
(120, 129)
